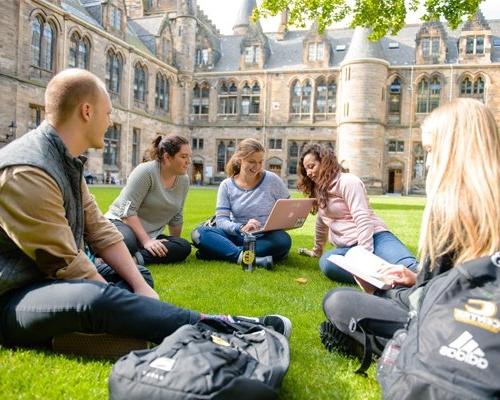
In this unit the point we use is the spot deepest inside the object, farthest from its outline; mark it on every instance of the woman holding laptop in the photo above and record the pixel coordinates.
(343, 214)
(244, 201)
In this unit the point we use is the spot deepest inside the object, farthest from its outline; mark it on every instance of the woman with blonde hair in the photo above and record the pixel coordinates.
(461, 221)
(244, 201)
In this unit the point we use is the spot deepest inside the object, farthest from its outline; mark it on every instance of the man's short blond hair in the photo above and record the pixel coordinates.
(69, 89)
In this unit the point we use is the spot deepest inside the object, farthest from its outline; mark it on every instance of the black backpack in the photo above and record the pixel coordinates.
(451, 349)
(210, 360)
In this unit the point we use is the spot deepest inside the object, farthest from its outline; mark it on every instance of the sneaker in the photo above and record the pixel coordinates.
(335, 340)
(264, 262)
(97, 345)
(278, 323)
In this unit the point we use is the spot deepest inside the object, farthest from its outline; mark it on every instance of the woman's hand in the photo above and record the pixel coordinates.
(156, 247)
(250, 226)
(398, 275)
(308, 253)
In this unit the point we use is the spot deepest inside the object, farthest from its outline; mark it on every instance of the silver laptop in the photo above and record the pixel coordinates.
(287, 214)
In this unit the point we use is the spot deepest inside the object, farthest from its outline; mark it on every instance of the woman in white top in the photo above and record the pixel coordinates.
(152, 199)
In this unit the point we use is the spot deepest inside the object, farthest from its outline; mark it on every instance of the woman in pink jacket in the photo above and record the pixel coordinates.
(343, 214)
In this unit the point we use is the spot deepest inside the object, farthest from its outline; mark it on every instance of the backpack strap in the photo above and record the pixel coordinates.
(481, 267)
(362, 325)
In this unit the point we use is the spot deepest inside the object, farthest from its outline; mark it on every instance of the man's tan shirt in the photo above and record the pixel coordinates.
(32, 214)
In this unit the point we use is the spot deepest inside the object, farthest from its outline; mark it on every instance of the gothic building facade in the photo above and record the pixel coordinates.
(169, 70)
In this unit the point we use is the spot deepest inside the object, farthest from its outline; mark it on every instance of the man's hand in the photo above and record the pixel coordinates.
(156, 247)
(146, 290)
(398, 275)
(250, 226)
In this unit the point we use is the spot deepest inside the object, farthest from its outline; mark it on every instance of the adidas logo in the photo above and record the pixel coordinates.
(465, 349)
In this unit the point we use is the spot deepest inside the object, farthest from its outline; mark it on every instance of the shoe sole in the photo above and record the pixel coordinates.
(287, 325)
(332, 344)
(101, 345)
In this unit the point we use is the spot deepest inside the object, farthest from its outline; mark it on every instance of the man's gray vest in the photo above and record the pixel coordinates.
(41, 148)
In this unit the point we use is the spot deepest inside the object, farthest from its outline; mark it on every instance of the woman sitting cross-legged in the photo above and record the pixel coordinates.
(153, 198)
(343, 214)
(244, 202)
(461, 222)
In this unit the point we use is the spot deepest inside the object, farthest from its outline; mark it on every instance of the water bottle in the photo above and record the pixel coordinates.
(248, 258)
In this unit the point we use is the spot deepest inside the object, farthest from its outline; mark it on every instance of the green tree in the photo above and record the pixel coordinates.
(382, 16)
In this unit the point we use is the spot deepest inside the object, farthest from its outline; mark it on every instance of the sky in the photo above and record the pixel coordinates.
(223, 13)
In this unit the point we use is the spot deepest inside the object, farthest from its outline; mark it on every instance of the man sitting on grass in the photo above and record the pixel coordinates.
(48, 286)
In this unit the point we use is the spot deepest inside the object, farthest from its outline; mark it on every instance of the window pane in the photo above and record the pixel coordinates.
(36, 31)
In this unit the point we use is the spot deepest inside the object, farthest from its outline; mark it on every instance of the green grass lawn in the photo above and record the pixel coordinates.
(216, 287)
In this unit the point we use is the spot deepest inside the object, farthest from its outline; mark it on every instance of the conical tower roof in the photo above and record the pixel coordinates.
(245, 12)
(362, 47)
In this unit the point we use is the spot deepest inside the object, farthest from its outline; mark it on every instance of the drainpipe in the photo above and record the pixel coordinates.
(129, 107)
(408, 164)
(451, 82)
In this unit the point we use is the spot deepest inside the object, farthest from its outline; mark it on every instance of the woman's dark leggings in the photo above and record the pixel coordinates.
(178, 248)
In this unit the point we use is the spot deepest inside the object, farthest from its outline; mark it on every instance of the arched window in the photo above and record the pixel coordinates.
(114, 66)
(228, 99)
(429, 95)
(395, 96)
(474, 90)
(79, 50)
(225, 150)
(435, 93)
(479, 88)
(162, 92)
(221, 157)
(326, 95)
(293, 154)
(36, 35)
(466, 88)
(200, 100)
(301, 100)
(140, 83)
(250, 99)
(43, 42)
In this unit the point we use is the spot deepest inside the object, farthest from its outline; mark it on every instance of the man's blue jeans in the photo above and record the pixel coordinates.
(216, 244)
(32, 315)
(385, 245)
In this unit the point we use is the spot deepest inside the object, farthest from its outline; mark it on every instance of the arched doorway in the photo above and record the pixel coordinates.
(395, 181)
(197, 172)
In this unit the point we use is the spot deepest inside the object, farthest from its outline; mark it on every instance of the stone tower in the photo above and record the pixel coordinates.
(184, 34)
(242, 23)
(361, 113)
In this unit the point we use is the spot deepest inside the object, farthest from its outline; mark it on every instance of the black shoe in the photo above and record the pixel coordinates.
(279, 323)
(335, 340)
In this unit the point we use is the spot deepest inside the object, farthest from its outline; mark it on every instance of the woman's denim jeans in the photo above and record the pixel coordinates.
(385, 245)
(34, 314)
(216, 244)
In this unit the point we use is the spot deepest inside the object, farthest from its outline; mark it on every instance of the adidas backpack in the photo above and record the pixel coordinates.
(210, 360)
(451, 349)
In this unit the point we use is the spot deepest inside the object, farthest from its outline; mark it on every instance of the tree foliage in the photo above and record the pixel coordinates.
(382, 16)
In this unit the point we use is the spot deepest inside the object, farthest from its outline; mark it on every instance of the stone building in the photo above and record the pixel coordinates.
(169, 70)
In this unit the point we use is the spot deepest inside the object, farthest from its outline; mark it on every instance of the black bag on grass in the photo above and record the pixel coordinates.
(210, 360)
(451, 349)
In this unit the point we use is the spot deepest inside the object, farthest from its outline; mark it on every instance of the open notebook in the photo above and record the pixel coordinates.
(364, 265)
